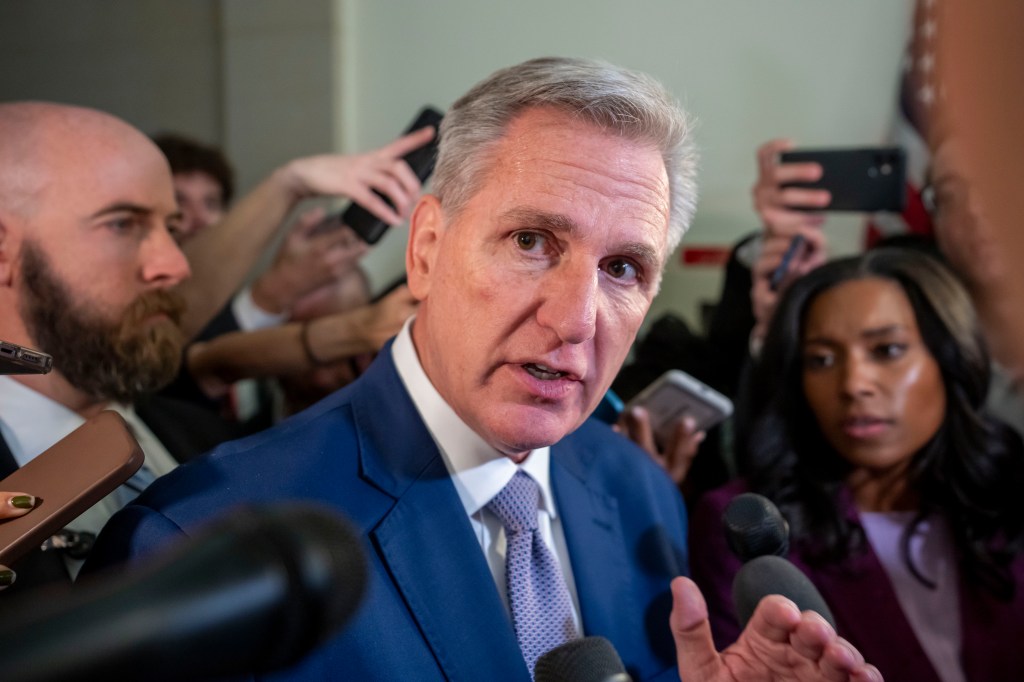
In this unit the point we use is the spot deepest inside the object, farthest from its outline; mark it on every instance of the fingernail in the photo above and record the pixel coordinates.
(23, 501)
(7, 577)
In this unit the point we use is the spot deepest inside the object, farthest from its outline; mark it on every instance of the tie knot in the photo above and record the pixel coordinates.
(516, 504)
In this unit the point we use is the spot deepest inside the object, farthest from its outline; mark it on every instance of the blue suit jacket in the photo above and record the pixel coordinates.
(432, 610)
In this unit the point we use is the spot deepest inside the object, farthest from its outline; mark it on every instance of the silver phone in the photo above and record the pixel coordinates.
(676, 394)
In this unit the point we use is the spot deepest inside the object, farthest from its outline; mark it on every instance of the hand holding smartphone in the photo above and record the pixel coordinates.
(859, 179)
(676, 394)
(67, 479)
(369, 227)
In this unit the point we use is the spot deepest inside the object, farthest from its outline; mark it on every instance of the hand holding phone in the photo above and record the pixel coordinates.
(67, 479)
(857, 179)
(676, 394)
(369, 227)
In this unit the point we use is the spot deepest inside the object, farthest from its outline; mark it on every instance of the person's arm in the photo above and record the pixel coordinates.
(221, 256)
(779, 643)
(305, 262)
(297, 346)
(775, 206)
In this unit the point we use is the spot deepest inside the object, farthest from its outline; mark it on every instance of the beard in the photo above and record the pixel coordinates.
(120, 359)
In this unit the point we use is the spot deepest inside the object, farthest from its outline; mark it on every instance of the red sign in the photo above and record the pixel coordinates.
(707, 255)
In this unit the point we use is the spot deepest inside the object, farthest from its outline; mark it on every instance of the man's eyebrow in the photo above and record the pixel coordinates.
(123, 206)
(530, 217)
(562, 224)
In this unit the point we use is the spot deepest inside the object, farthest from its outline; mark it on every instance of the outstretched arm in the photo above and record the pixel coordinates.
(221, 257)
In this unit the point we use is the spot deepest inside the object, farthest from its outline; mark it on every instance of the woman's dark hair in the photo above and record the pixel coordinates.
(972, 469)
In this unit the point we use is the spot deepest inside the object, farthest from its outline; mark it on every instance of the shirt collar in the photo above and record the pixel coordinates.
(478, 470)
(31, 422)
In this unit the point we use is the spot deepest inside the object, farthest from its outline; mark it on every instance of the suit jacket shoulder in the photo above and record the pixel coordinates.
(432, 610)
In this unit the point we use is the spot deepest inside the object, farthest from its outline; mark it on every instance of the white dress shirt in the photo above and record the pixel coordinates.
(479, 471)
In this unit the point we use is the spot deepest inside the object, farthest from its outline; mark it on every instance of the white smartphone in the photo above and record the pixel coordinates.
(676, 394)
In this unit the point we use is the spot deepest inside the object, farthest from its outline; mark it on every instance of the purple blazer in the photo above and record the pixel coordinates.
(864, 604)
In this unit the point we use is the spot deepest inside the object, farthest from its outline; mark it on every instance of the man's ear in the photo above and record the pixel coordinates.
(425, 229)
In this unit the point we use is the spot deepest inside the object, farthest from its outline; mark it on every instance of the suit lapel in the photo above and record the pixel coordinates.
(426, 542)
(590, 520)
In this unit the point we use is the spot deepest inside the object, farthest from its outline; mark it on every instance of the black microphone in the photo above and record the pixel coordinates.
(252, 593)
(588, 659)
(758, 534)
(754, 526)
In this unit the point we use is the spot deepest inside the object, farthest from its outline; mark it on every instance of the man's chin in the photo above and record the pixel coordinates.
(521, 429)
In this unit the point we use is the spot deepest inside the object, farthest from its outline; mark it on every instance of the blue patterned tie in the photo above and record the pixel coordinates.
(537, 594)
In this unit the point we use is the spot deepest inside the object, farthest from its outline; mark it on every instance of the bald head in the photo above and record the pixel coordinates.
(40, 141)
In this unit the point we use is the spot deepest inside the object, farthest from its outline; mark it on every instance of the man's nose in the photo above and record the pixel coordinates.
(163, 262)
(570, 302)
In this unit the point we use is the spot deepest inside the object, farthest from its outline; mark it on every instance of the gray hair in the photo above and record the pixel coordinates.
(628, 103)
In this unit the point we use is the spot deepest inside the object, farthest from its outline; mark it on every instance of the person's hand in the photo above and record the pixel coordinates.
(307, 261)
(779, 644)
(356, 176)
(781, 224)
(385, 318)
(13, 505)
(677, 455)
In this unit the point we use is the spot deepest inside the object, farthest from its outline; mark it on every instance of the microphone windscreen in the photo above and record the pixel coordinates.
(769, 574)
(754, 527)
(588, 659)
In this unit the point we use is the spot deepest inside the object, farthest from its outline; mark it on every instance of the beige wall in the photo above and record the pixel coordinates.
(272, 79)
(823, 71)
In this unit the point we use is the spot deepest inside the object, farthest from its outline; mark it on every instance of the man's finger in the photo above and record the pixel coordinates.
(695, 649)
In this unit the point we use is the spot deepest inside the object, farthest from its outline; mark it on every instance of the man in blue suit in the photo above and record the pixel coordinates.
(562, 185)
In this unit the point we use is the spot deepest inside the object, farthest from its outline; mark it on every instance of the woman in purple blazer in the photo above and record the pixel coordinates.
(864, 424)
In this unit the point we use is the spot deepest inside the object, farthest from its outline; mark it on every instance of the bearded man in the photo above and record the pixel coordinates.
(87, 260)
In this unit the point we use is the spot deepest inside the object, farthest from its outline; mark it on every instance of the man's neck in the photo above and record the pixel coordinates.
(55, 387)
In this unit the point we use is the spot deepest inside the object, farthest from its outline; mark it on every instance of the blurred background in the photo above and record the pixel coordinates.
(269, 80)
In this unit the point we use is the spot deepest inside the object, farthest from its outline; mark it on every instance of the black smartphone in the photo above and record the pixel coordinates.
(15, 359)
(368, 226)
(859, 179)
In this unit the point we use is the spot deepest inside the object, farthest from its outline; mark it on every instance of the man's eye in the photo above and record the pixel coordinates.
(529, 241)
(122, 223)
(622, 269)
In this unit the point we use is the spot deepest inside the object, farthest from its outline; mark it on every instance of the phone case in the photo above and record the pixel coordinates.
(675, 394)
(422, 160)
(15, 359)
(68, 478)
(860, 179)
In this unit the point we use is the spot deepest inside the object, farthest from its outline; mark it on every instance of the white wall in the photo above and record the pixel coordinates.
(822, 71)
(270, 79)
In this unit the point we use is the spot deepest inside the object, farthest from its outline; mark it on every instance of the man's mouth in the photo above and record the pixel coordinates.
(543, 372)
